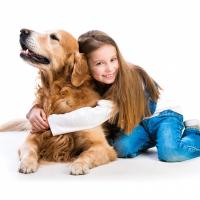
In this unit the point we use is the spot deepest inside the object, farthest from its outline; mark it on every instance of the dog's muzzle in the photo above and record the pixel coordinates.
(28, 54)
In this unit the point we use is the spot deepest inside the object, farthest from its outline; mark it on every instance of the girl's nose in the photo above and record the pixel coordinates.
(109, 67)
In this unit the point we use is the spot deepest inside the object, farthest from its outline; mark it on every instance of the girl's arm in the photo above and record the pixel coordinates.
(81, 119)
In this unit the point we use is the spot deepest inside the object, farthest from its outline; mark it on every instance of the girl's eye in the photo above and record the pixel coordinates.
(113, 59)
(99, 63)
(54, 37)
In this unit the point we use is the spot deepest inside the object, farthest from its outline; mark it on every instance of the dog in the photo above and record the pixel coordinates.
(65, 85)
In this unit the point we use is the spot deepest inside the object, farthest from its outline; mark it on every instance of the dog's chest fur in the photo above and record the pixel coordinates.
(61, 98)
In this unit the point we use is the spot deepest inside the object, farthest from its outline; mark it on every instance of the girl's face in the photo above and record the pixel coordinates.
(104, 64)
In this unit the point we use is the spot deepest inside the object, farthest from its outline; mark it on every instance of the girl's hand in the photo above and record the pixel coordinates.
(38, 120)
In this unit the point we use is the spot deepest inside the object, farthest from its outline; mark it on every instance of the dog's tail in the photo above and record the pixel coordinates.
(16, 125)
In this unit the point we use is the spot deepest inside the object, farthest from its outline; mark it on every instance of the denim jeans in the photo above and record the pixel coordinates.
(166, 132)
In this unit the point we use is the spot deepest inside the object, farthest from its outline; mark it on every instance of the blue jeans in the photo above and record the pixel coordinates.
(166, 131)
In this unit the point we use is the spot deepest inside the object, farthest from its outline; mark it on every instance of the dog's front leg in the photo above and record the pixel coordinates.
(96, 155)
(28, 154)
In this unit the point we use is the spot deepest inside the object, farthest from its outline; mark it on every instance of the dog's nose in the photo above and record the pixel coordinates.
(24, 33)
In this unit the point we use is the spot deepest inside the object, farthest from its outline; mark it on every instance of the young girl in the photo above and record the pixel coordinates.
(142, 120)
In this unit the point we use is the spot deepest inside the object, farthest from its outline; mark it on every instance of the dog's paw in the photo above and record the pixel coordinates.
(28, 166)
(78, 168)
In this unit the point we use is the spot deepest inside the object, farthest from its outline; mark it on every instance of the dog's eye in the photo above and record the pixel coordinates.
(54, 37)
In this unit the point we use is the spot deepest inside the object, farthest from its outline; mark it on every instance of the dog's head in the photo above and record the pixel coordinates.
(54, 51)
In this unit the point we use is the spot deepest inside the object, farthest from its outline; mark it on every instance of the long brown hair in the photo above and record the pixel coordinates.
(127, 91)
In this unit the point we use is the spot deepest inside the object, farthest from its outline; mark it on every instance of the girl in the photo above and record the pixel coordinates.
(142, 119)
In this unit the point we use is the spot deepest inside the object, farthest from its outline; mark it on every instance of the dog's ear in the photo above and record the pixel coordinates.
(80, 70)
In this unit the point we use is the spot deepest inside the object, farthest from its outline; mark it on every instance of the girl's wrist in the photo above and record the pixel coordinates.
(34, 106)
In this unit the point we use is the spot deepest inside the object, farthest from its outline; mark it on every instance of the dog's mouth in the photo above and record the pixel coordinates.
(31, 56)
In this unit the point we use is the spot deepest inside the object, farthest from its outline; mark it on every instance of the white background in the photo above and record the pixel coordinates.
(161, 36)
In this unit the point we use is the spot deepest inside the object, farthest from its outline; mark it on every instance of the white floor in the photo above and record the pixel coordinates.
(142, 177)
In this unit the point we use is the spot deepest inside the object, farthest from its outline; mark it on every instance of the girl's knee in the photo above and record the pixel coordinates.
(168, 158)
(171, 155)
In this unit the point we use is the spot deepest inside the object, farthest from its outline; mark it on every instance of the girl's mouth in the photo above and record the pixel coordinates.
(109, 75)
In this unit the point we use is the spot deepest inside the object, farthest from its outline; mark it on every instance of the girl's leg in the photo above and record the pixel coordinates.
(129, 146)
(173, 141)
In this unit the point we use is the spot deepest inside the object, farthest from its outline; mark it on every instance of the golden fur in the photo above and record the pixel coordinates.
(65, 86)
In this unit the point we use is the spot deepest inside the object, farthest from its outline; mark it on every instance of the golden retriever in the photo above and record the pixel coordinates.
(65, 86)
